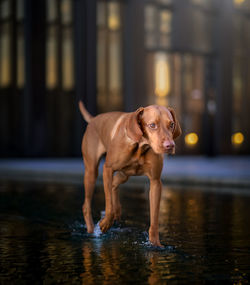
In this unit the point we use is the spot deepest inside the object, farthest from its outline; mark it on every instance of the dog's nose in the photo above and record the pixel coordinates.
(168, 145)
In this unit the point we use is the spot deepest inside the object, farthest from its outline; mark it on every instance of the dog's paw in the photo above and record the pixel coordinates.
(156, 243)
(106, 223)
(154, 238)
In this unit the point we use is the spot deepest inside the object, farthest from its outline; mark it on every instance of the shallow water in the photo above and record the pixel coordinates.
(43, 239)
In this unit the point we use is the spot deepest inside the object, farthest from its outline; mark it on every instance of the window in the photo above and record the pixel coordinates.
(67, 46)
(12, 42)
(51, 45)
(162, 80)
(158, 26)
(158, 29)
(242, 4)
(5, 43)
(59, 45)
(20, 44)
(109, 56)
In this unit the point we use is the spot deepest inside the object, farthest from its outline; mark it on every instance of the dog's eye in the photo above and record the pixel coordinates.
(172, 125)
(152, 126)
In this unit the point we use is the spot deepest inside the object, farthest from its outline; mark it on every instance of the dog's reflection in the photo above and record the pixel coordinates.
(106, 262)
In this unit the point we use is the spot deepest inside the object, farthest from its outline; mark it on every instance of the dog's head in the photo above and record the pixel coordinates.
(158, 125)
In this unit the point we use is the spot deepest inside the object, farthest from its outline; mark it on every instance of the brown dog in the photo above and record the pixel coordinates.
(134, 144)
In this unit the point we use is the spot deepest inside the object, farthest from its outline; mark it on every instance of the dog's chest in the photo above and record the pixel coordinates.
(134, 167)
(135, 163)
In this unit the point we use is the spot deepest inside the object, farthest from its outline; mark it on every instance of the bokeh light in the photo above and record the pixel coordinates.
(237, 139)
(191, 139)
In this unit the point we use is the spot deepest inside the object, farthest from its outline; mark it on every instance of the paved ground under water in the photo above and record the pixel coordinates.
(43, 240)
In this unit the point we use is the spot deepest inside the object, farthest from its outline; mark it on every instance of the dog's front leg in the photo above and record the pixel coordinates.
(108, 220)
(154, 197)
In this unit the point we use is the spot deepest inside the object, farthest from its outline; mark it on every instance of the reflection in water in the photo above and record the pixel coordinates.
(43, 238)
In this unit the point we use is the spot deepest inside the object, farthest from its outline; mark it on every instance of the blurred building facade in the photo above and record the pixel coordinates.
(192, 55)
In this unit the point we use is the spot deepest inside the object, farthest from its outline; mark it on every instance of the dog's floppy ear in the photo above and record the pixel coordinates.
(177, 128)
(133, 128)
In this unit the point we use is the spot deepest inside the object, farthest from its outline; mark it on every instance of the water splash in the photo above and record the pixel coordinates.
(146, 243)
(97, 231)
(102, 214)
(126, 235)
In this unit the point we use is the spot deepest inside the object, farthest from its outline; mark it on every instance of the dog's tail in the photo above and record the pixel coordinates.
(86, 115)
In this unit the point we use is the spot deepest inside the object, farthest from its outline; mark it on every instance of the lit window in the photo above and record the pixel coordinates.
(51, 59)
(66, 10)
(238, 2)
(162, 75)
(165, 28)
(67, 60)
(115, 64)
(165, 21)
(20, 60)
(114, 16)
(158, 26)
(109, 56)
(5, 48)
